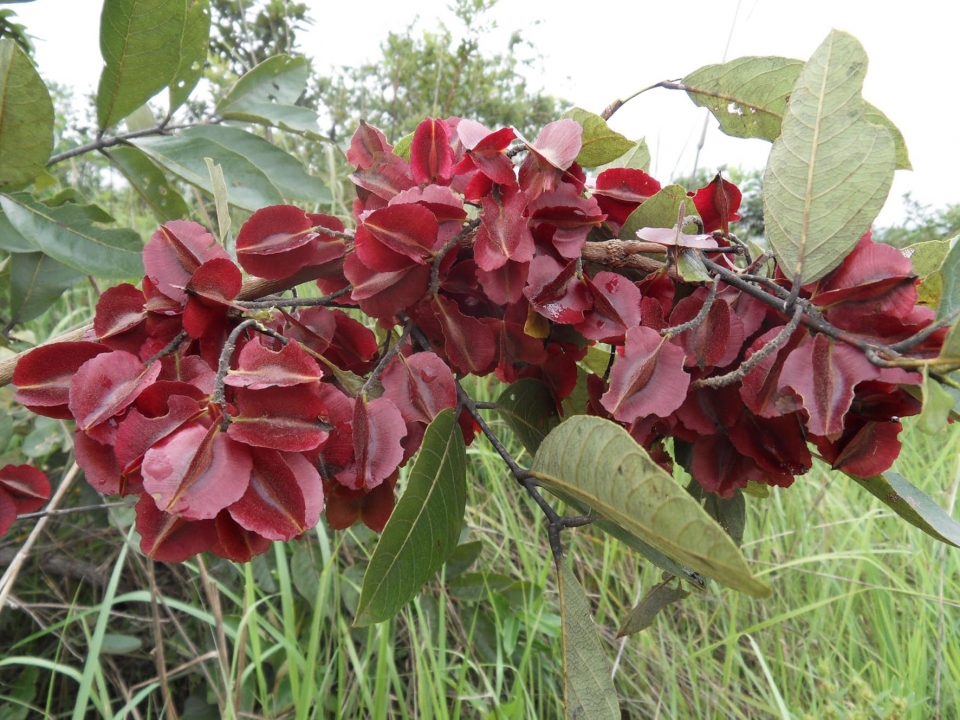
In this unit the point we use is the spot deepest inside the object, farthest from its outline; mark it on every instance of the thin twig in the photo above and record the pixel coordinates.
(700, 316)
(103, 142)
(387, 356)
(296, 301)
(442, 253)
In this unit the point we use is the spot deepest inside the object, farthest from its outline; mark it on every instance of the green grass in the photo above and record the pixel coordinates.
(864, 621)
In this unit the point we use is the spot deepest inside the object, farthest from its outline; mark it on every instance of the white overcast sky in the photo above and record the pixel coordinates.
(593, 51)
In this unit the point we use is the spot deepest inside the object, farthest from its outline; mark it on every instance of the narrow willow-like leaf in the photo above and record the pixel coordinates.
(830, 170)
(588, 690)
(193, 51)
(67, 234)
(36, 281)
(220, 199)
(597, 463)
(140, 44)
(659, 597)
(26, 117)
(660, 211)
(636, 158)
(528, 408)
(150, 183)
(913, 505)
(600, 143)
(747, 95)
(424, 528)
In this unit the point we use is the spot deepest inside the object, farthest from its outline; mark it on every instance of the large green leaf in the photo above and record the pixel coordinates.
(140, 43)
(830, 170)
(927, 258)
(636, 158)
(26, 117)
(193, 51)
(588, 690)
(36, 281)
(257, 173)
(747, 95)
(660, 211)
(424, 528)
(597, 463)
(600, 143)
(528, 408)
(67, 234)
(11, 240)
(150, 183)
(913, 505)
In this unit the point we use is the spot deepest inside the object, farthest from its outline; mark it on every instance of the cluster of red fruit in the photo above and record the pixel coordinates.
(236, 426)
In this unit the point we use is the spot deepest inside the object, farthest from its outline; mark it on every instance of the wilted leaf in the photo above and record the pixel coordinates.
(140, 44)
(659, 597)
(913, 505)
(26, 117)
(425, 525)
(597, 463)
(67, 234)
(830, 170)
(588, 690)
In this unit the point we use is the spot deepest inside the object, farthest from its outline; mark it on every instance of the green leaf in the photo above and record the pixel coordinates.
(141, 119)
(950, 297)
(402, 148)
(528, 408)
(937, 404)
(731, 513)
(11, 240)
(830, 170)
(220, 199)
(462, 557)
(140, 44)
(600, 143)
(588, 690)
(597, 463)
(424, 528)
(875, 116)
(303, 572)
(660, 596)
(68, 235)
(257, 173)
(36, 281)
(913, 505)
(473, 587)
(747, 95)
(927, 257)
(26, 117)
(114, 644)
(266, 95)
(150, 183)
(636, 158)
(660, 211)
(280, 79)
(193, 51)
(749, 98)
(249, 188)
